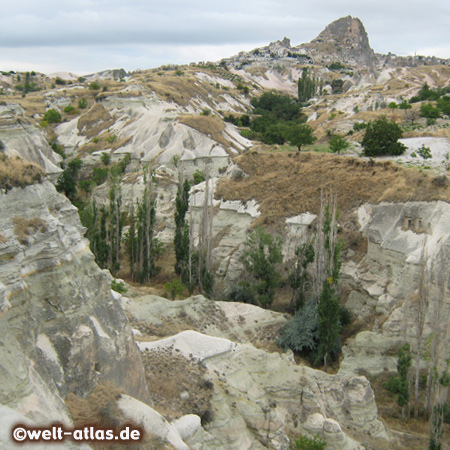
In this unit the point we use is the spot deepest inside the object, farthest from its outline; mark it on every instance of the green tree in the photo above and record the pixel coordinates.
(307, 86)
(328, 322)
(260, 257)
(298, 277)
(67, 181)
(338, 144)
(404, 105)
(299, 135)
(381, 138)
(94, 86)
(105, 158)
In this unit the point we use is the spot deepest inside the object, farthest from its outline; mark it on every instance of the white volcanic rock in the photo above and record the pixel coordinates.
(24, 140)
(239, 322)
(403, 239)
(61, 330)
(259, 397)
(151, 421)
(9, 418)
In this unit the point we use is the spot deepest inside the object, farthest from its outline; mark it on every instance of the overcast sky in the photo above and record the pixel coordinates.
(85, 36)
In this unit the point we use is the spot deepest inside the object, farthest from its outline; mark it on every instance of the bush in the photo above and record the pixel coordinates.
(198, 176)
(82, 103)
(58, 149)
(111, 139)
(307, 443)
(105, 158)
(52, 116)
(118, 286)
(425, 152)
(69, 109)
(174, 289)
(429, 111)
(99, 175)
(86, 185)
(301, 333)
(94, 86)
(241, 293)
(357, 126)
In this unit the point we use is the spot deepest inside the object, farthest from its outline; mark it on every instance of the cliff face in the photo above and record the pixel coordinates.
(61, 330)
(347, 39)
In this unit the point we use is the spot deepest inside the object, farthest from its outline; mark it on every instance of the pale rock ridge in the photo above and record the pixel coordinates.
(402, 238)
(24, 140)
(259, 397)
(61, 330)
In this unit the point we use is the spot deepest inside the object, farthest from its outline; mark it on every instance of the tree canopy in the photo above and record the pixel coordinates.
(381, 138)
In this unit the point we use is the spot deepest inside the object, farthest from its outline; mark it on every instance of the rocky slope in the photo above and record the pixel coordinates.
(61, 329)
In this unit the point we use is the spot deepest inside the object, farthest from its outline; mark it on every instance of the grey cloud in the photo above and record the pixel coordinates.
(140, 31)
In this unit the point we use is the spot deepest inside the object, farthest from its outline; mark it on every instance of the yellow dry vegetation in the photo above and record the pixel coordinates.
(100, 410)
(288, 184)
(210, 126)
(18, 173)
(24, 228)
(94, 121)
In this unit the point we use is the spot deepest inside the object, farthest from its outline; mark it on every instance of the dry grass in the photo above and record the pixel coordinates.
(24, 228)
(18, 173)
(100, 409)
(287, 184)
(207, 125)
(3, 239)
(95, 121)
(178, 386)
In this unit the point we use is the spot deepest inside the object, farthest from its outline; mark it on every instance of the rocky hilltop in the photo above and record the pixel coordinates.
(345, 40)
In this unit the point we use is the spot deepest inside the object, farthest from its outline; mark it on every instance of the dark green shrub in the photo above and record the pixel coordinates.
(94, 86)
(99, 175)
(52, 116)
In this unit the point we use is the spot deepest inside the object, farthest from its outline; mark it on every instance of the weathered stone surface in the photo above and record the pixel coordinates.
(24, 140)
(239, 322)
(9, 418)
(403, 241)
(152, 422)
(260, 397)
(61, 330)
